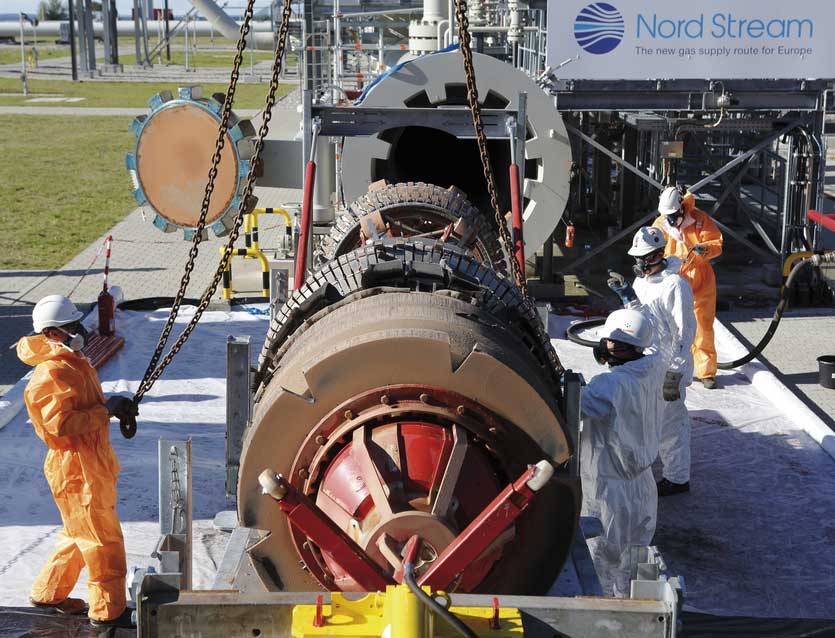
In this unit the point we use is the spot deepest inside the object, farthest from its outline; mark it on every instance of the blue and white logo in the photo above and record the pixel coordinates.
(599, 28)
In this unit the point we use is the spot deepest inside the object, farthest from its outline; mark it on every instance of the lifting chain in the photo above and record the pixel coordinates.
(156, 367)
(475, 109)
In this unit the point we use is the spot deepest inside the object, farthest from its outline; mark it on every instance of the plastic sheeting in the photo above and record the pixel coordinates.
(755, 536)
(188, 401)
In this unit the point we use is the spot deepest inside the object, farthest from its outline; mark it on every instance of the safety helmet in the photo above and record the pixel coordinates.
(627, 326)
(647, 240)
(54, 311)
(670, 201)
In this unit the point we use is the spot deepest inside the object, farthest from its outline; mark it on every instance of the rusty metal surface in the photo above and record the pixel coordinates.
(408, 339)
(174, 155)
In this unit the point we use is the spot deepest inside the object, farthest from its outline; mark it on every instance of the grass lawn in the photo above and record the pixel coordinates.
(220, 58)
(11, 54)
(123, 94)
(62, 184)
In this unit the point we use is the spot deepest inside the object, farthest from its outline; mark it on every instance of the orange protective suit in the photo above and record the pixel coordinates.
(65, 402)
(699, 273)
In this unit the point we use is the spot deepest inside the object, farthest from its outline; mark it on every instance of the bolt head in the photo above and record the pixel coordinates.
(385, 399)
(460, 410)
(424, 398)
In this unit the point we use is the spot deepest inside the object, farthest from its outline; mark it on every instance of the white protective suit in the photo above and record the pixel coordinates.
(621, 410)
(669, 300)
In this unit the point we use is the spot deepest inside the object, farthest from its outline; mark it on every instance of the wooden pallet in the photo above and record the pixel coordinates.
(99, 349)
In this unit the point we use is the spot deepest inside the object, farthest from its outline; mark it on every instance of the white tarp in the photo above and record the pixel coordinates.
(711, 39)
(188, 401)
(753, 537)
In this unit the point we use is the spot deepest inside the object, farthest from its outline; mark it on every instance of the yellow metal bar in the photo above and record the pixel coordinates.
(288, 219)
(254, 228)
(227, 277)
(399, 614)
(406, 614)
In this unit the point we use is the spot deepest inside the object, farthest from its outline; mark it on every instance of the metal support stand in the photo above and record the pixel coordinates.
(238, 406)
(572, 391)
(174, 547)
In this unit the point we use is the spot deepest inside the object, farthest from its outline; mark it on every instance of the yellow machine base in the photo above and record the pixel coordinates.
(397, 613)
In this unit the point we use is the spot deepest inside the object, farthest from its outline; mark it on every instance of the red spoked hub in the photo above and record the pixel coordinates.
(399, 462)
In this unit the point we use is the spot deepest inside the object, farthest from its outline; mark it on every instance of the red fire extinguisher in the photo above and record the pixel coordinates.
(569, 236)
(107, 305)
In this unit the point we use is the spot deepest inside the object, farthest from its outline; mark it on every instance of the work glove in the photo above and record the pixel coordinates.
(699, 249)
(126, 411)
(623, 289)
(118, 405)
(670, 389)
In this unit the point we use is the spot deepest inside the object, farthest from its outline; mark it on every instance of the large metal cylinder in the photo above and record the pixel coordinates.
(400, 390)
(425, 154)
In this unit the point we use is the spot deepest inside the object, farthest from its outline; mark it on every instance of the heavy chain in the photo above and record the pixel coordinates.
(155, 370)
(475, 110)
(178, 508)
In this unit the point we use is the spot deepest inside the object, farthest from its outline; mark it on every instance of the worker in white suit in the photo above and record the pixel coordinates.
(622, 411)
(668, 298)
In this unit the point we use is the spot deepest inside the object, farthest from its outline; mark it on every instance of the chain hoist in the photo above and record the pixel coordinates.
(157, 366)
(481, 138)
(178, 506)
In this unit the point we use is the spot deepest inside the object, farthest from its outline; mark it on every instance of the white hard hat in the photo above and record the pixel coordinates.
(670, 201)
(627, 326)
(647, 240)
(53, 311)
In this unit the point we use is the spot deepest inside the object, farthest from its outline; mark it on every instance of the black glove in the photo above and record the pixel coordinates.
(126, 411)
(117, 405)
(670, 389)
(699, 249)
(622, 289)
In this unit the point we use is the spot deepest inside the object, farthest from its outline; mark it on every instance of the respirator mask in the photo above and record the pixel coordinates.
(76, 337)
(648, 262)
(620, 354)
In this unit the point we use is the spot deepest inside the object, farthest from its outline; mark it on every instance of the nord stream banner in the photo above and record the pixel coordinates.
(663, 39)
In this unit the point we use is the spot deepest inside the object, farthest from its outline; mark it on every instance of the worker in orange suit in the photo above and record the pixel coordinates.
(71, 415)
(695, 239)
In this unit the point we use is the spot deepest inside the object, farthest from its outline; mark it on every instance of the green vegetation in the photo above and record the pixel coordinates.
(222, 58)
(123, 94)
(62, 185)
(11, 54)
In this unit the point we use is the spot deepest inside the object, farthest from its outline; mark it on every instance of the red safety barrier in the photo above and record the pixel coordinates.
(516, 216)
(304, 231)
(827, 220)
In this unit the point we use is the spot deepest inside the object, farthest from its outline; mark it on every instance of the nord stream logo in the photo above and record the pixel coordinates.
(599, 27)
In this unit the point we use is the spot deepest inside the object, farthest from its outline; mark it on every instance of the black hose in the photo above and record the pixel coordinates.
(778, 312)
(574, 328)
(434, 606)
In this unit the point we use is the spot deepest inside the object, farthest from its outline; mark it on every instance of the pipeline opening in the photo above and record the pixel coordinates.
(421, 154)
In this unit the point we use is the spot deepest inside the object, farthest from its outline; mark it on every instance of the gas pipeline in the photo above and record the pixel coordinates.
(408, 389)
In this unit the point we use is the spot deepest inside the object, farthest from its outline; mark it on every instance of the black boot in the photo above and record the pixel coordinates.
(668, 488)
(122, 620)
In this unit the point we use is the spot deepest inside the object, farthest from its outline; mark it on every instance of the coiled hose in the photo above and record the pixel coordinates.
(814, 260)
